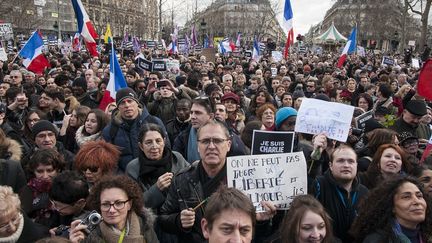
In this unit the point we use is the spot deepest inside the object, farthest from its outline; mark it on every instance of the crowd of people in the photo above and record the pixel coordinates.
(151, 166)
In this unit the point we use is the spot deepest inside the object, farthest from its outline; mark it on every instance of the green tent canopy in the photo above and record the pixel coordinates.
(331, 36)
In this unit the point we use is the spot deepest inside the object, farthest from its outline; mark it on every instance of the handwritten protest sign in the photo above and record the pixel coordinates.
(272, 142)
(317, 116)
(272, 177)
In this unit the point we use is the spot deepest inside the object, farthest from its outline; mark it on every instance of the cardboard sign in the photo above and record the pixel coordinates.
(278, 178)
(272, 142)
(209, 53)
(361, 120)
(159, 65)
(144, 64)
(388, 61)
(317, 116)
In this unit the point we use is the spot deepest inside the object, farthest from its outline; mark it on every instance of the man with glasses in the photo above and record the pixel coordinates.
(183, 209)
(310, 88)
(68, 196)
(16, 78)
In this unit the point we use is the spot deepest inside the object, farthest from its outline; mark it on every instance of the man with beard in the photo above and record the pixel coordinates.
(410, 121)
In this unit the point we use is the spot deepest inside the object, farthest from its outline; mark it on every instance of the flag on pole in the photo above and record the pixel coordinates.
(85, 27)
(125, 40)
(256, 53)
(211, 42)
(206, 43)
(350, 47)
(34, 59)
(136, 45)
(116, 80)
(194, 39)
(108, 35)
(424, 85)
(288, 26)
(172, 48)
(76, 43)
(238, 41)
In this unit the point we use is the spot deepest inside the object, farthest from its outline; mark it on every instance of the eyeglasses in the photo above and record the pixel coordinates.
(14, 221)
(215, 141)
(410, 143)
(14, 76)
(54, 204)
(118, 205)
(93, 169)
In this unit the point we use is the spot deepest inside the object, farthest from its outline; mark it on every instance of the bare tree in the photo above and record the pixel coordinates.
(424, 6)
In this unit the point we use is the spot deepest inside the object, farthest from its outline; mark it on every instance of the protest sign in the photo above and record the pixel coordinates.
(159, 65)
(272, 142)
(209, 53)
(144, 64)
(388, 61)
(173, 65)
(278, 178)
(411, 43)
(3, 55)
(415, 63)
(277, 56)
(6, 31)
(317, 116)
(361, 120)
(248, 54)
(361, 51)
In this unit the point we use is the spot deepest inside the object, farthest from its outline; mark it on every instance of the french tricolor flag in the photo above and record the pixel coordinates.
(350, 47)
(85, 27)
(34, 59)
(116, 81)
(287, 23)
(172, 47)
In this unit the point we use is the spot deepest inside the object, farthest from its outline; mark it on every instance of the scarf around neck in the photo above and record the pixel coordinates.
(210, 185)
(16, 235)
(151, 170)
(132, 235)
(192, 147)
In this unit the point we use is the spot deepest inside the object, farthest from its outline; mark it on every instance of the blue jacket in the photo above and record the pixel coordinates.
(125, 135)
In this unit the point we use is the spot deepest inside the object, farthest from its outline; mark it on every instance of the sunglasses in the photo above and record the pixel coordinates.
(91, 169)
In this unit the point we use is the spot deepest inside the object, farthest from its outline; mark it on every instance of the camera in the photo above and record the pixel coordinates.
(92, 220)
(357, 132)
(161, 83)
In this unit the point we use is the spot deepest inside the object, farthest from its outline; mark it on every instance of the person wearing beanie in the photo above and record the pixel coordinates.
(410, 121)
(79, 90)
(285, 119)
(126, 123)
(45, 137)
(235, 118)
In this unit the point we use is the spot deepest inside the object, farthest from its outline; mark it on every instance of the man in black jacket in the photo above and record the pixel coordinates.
(339, 191)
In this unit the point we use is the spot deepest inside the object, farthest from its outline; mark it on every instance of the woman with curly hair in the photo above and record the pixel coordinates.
(96, 159)
(120, 202)
(389, 160)
(396, 211)
(306, 221)
(259, 99)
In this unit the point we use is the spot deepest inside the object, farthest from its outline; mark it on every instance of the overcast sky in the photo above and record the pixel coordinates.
(306, 12)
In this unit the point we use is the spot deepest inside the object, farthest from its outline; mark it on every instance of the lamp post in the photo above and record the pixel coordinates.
(203, 30)
(395, 41)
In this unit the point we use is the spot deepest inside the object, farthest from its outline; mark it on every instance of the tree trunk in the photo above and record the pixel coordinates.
(424, 27)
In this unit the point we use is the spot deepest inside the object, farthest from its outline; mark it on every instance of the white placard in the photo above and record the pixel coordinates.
(269, 177)
(3, 55)
(415, 63)
(317, 116)
(277, 56)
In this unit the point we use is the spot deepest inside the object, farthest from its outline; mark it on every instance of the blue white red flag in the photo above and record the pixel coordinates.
(136, 45)
(85, 27)
(287, 23)
(194, 39)
(76, 43)
(350, 47)
(256, 53)
(172, 48)
(238, 41)
(116, 80)
(226, 46)
(34, 59)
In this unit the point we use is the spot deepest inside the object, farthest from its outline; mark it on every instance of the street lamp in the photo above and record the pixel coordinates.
(203, 29)
(395, 40)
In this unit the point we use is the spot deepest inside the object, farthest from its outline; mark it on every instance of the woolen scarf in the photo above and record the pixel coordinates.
(209, 184)
(151, 170)
(133, 231)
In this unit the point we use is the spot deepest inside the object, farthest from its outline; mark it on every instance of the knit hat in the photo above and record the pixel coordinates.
(405, 136)
(231, 96)
(43, 125)
(124, 94)
(81, 82)
(416, 107)
(284, 113)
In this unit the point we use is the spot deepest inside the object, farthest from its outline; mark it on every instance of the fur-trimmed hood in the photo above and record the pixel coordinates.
(14, 150)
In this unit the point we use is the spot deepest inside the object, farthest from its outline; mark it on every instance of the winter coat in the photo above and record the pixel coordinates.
(125, 135)
(153, 197)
